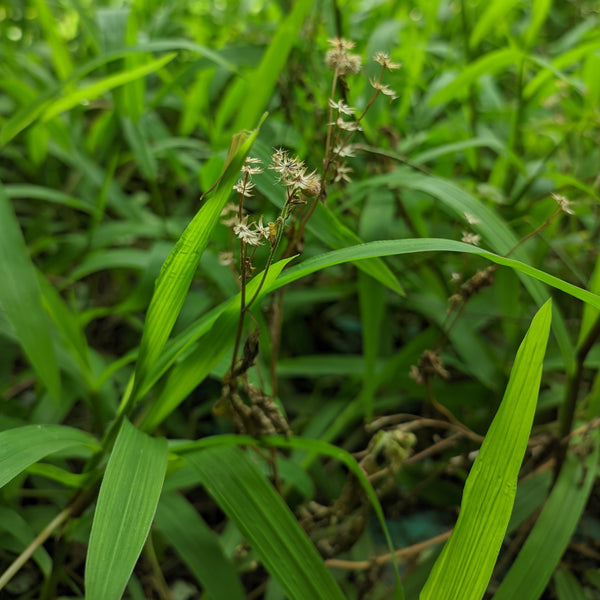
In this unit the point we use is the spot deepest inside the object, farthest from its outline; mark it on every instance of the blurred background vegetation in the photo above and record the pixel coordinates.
(115, 118)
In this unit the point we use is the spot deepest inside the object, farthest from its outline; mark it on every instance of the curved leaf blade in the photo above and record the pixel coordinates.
(197, 545)
(249, 500)
(552, 532)
(21, 299)
(91, 92)
(23, 446)
(413, 246)
(464, 568)
(127, 501)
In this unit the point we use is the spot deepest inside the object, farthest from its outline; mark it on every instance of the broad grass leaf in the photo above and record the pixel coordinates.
(21, 300)
(178, 270)
(315, 448)
(23, 446)
(126, 505)
(198, 547)
(93, 91)
(463, 570)
(249, 500)
(552, 532)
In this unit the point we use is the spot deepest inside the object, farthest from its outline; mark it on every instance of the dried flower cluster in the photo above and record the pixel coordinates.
(472, 286)
(339, 60)
(429, 365)
(564, 204)
(292, 173)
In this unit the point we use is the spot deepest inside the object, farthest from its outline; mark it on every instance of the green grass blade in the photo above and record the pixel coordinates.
(60, 54)
(91, 92)
(552, 532)
(23, 446)
(463, 570)
(29, 113)
(38, 192)
(489, 63)
(197, 545)
(178, 270)
(412, 246)
(14, 523)
(314, 447)
(126, 504)
(251, 95)
(252, 504)
(69, 326)
(495, 11)
(329, 229)
(567, 587)
(21, 299)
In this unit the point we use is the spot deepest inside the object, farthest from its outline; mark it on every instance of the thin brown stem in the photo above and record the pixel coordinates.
(404, 553)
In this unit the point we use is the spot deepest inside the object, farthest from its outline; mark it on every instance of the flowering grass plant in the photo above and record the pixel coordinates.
(299, 301)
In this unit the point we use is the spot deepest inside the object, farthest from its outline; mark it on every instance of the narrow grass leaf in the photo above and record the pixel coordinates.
(32, 111)
(136, 138)
(252, 94)
(39, 192)
(126, 504)
(552, 532)
(329, 229)
(69, 326)
(495, 11)
(61, 56)
(21, 299)
(14, 523)
(412, 246)
(93, 91)
(539, 14)
(249, 500)
(463, 569)
(567, 587)
(23, 446)
(314, 447)
(197, 545)
(178, 270)
(490, 63)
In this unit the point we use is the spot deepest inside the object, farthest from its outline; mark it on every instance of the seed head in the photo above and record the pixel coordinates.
(244, 187)
(383, 58)
(341, 107)
(471, 238)
(342, 173)
(339, 59)
(243, 231)
(565, 205)
(383, 89)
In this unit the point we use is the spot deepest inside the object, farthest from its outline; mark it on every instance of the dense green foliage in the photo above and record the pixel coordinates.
(283, 285)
